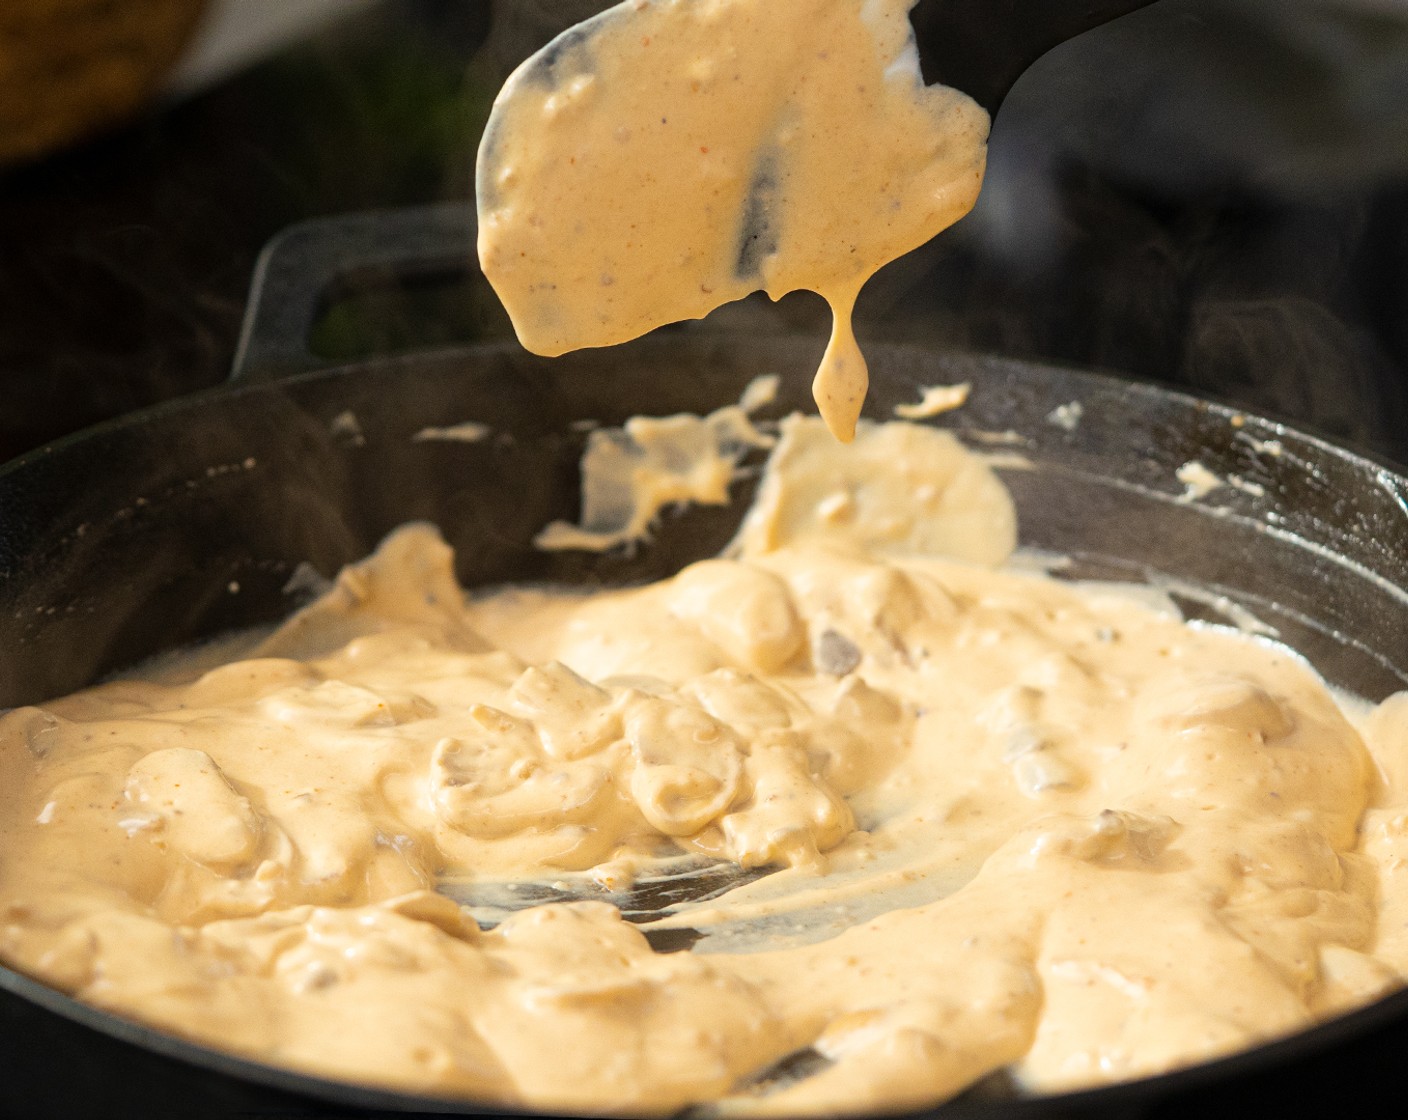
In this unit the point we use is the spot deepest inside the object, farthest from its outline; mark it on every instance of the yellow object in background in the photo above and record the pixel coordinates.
(70, 68)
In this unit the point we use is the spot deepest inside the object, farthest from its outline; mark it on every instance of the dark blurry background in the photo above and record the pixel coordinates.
(1211, 193)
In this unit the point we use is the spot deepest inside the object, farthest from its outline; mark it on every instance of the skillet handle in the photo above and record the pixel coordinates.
(300, 270)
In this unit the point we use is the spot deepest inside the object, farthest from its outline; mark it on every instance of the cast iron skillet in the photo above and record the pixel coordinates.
(188, 520)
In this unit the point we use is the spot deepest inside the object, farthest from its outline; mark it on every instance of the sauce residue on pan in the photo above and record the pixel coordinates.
(674, 155)
(1008, 823)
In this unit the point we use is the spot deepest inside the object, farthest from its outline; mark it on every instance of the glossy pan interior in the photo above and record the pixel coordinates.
(189, 520)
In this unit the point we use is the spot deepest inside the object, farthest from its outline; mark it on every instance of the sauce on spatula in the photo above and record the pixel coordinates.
(670, 156)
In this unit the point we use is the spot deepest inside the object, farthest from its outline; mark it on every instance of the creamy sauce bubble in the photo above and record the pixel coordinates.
(673, 155)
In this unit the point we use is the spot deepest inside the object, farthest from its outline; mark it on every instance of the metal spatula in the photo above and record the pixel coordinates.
(674, 882)
(983, 46)
(978, 46)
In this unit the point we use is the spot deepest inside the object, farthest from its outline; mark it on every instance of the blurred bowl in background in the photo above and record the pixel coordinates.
(71, 68)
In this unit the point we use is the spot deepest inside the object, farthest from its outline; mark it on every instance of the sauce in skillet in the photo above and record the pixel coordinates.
(1012, 823)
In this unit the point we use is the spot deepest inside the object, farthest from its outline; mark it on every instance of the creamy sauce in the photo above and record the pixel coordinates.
(632, 473)
(935, 400)
(1009, 823)
(673, 155)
